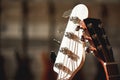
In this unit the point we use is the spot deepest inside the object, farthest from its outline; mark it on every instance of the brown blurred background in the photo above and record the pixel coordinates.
(27, 30)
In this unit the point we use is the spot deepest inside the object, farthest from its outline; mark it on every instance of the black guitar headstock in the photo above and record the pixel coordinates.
(99, 39)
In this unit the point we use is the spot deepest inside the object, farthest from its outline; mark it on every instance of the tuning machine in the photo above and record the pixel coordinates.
(75, 20)
(85, 37)
(90, 49)
(89, 46)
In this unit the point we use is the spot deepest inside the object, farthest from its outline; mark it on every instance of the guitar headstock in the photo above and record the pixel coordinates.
(71, 54)
(99, 41)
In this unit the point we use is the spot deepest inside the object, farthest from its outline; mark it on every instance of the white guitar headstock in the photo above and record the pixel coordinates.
(71, 54)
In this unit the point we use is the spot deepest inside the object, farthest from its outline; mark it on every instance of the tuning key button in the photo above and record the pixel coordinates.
(90, 50)
(99, 47)
(100, 25)
(104, 36)
(94, 36)
(90, 25)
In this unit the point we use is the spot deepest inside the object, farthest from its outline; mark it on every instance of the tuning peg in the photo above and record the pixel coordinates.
(99, 47)
(66, 14)
(88, 38)
(90, 25)
(85, 37)
(53, 56)
(94, 36)
(90, 49)
(100, 25)
(104, 36)
(87, 50)
(75, 20)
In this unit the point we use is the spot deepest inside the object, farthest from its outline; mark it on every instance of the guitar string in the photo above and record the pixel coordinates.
(72, 51)
(72, 62)
(65, 61)
(77, 49)
(75, 52)
(70, 48)
(60, 71)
